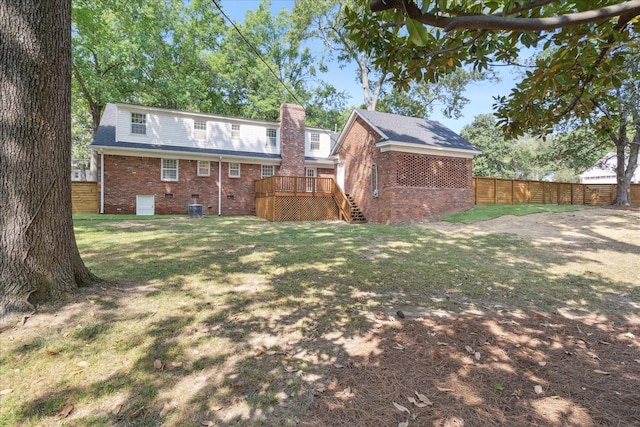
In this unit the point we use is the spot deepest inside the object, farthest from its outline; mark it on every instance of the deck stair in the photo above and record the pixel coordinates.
(357, 217)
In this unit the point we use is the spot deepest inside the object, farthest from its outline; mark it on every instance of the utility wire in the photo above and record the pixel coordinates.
(261, 58)
(257, 52)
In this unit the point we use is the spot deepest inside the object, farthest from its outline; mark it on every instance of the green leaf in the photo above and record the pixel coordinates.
(417, 33)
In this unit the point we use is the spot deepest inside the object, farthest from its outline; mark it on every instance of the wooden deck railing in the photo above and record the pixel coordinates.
(284, 186)
(294, 185)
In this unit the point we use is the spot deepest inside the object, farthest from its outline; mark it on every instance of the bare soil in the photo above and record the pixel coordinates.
(507, 368)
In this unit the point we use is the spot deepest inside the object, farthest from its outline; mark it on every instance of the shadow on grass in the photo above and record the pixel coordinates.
(247, 319)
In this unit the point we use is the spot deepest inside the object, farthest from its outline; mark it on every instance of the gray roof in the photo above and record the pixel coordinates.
(413, 130)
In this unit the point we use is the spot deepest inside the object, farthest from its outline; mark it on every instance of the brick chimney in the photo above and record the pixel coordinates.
(292, 140)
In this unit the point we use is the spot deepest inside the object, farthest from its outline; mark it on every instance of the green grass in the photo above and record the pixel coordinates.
(246, 315)
(485, 212)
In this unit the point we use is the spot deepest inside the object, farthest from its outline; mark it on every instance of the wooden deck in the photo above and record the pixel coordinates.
(297, 198)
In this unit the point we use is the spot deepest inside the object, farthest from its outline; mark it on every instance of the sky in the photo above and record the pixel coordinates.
(480, 94)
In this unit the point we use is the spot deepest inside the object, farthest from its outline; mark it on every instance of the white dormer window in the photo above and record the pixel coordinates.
(139, 123)
(235, 131)
(314, 139)
(200, 130)
(271, 137)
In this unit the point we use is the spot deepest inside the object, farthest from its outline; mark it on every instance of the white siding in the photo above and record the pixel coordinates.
(167, 129)
(325, 144)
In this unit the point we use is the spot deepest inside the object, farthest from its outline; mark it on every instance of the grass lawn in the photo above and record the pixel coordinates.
(485, 212)
(233, 321)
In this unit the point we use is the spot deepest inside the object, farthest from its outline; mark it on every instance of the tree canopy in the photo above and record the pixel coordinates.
(581, 75)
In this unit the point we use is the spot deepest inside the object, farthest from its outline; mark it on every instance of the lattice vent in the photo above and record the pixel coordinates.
(414, 170)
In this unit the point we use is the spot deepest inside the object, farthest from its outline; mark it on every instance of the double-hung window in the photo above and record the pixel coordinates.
(234, 170)
(200, 130)
(267, 171)
(314, 139)
(139, 123)
(271, 137)
(169, 170)
(235, 131)
(204, 168)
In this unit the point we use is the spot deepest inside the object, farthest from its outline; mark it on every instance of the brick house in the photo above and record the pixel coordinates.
(394, 168)
(159, 161)
(400, 169)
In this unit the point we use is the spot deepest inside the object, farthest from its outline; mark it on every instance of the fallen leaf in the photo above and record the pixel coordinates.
(538, 389)
(258, 351)
(478, 356)
(542, 363)
(176, 364)
(52, 352)
(6, 391)
(444, 344)
(83, 364)
(158, 364)
(216, 408)
(116, 408)
(135, 414)
(320, 389)
(629, 335)
(338, 366)
(290, 369)
(469, 349)
(444, 389)
(398, 347)
(207, 423)
(401, 408)
(165, 409)
(400, 314)
(597, 371)
(65, 412)
(403, 424)
(424, 399)
(604, 342)
(347, 391)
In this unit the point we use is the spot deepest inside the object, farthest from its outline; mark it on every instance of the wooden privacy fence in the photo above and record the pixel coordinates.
(491, 191)
(84, 197)
(296, 198)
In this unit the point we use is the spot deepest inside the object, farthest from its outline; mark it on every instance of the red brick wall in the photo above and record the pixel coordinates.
(126, 177)
(292, 139)
(411, 187)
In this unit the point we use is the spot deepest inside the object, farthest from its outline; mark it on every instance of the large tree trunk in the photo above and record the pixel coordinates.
(625, 169)
(39, 258)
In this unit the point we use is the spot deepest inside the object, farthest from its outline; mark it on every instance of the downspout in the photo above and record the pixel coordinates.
(220, 187)
(101, 182)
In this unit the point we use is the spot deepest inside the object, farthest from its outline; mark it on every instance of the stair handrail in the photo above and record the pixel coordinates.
(341, 201)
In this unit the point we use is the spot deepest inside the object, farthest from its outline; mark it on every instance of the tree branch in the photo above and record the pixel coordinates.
(628, 9)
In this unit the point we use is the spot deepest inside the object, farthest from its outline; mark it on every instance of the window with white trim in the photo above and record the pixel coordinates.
(314, 139)
(204, 168)
(169, 170)
(235, 131)
(139, 123)
(200, 130)
(234, 170)
(271, 137)
(267, 171)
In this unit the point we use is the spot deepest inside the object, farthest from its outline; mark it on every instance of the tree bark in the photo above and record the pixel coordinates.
(39, 258)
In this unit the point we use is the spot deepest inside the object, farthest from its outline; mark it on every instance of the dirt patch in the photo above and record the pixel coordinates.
(504, 369)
